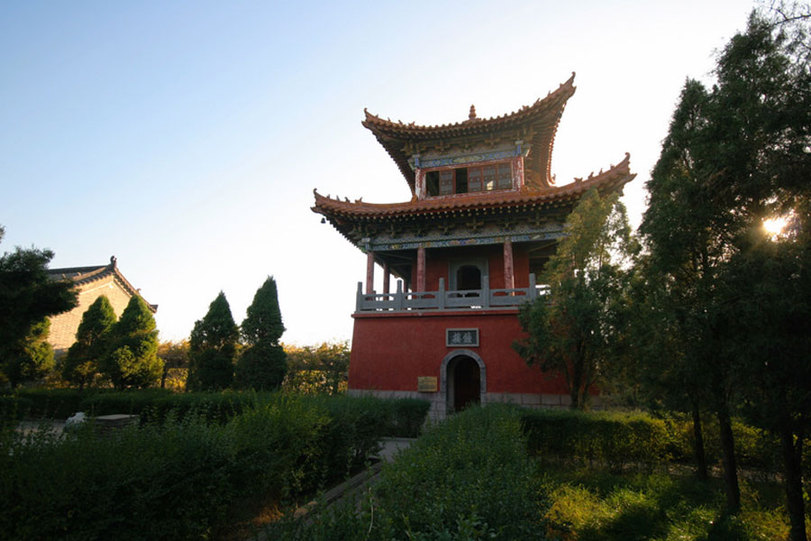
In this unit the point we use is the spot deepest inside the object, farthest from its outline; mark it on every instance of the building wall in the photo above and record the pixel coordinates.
(390, 351)
(64, 326)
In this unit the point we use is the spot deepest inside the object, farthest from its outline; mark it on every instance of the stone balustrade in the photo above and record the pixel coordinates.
(442, 299)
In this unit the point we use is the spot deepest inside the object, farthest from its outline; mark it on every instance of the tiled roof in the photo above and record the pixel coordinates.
(611, 180)
(537, 122)
(86, 275)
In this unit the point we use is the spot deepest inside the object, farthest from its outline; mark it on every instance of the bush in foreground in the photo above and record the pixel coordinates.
(179, 479)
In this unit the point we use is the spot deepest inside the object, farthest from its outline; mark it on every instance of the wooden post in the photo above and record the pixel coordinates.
(421, 268)
(370, 272)
(386, 278)
(509, 274)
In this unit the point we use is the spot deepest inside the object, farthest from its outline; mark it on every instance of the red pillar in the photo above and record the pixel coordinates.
(386, 278)
(421, 268)
(509, 274)
(370, 271)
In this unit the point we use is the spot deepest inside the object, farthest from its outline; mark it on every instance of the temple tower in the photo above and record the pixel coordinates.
(484, 217)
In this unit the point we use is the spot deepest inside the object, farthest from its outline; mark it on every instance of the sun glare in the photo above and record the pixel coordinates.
(774, 226)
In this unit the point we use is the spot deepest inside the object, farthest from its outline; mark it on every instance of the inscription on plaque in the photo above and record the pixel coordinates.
(460, 338)
(426, 384)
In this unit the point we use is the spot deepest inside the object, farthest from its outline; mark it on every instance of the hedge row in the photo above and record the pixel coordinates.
(620, 440)
(467, 478)
(404, 417)
(612, 439)
(178, 479)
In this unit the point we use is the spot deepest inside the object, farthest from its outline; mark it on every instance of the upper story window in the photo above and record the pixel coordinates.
(480, 178)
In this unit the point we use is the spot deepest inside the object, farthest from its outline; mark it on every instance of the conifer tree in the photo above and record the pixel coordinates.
(131, 359)
(27, 297)
(263, 362)
(34, 357)
(81, 364)
(212, 348)
(737, 154)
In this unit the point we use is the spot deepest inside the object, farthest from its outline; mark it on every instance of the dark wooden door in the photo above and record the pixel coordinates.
(466, 383)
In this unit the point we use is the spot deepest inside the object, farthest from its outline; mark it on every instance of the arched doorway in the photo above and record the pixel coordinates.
(463, 380)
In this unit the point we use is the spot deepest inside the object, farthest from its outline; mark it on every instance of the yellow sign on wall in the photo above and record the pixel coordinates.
(426, 384)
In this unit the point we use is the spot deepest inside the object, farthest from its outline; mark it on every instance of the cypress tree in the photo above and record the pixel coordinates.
(263, 362)
(131, 359)
(82, 361)
(212, 348)
(34, 357)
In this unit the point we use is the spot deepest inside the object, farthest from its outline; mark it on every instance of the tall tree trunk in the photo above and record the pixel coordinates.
(792, 458)
(733, 492)
(698, 434)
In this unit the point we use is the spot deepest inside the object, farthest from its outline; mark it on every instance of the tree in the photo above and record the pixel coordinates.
(27, 297)
(576, 329)
(34, 358)
(318, 369)
(175, 357)
(736, 155)
(81, 364)
(213, 348)
(262, 363)
(131, 359)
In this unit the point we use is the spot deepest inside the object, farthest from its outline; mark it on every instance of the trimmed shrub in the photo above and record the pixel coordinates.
(614, 439)
(467, 478)
(13, 409)
(179, 479)
(407, 417)
(53, 403)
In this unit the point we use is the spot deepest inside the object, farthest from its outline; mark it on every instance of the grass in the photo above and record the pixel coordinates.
(599, 506)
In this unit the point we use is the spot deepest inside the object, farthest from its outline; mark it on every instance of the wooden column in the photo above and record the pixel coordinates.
(370, 271)
(509, 273)
(386, 278)
(421, 268)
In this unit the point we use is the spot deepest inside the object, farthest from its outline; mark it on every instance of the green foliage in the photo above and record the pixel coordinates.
(467, 478)
(596, 505)
(33, 358)
(577, 328)
(318, 369)
(212, 348)
(12, 410)
(175, 357)
(263, 320)
(131, 360)
(736, 155)
(81, 364)
(407, 417)
(27, 297)
(611, 439)
(177, 479)
(262, 363)
(261, 366)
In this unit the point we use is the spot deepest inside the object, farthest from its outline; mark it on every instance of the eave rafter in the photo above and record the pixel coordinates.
(535, 124)
(357, 220)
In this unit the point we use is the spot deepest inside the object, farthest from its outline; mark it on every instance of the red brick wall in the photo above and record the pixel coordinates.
(389, 351)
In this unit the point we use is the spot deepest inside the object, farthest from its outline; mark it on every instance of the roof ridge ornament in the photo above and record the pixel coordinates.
(472, 115)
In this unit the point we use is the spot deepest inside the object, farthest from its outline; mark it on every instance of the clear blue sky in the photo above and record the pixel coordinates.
(186, 137)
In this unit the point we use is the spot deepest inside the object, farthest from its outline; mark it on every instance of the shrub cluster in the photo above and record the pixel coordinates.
(179, 478)
(613, 439)
(467, 478)
(620, 440)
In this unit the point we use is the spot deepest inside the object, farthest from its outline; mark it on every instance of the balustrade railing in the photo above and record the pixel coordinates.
(442, 299)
